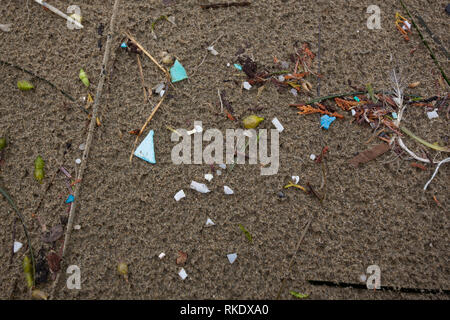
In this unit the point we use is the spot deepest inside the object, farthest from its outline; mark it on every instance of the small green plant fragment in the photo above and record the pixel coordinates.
(247, 234)
(299, 295)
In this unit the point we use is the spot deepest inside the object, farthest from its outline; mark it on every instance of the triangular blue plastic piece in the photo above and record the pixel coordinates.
(146, 151)
(177, 72)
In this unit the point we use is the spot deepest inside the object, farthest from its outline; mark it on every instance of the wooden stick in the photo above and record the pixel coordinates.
(142, 77)
(148, 54)
(145, 125)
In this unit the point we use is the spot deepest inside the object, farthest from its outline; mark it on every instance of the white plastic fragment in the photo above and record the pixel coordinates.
(77, 227)
(312, 157)
(228, 64)
(82, 146)
(294, 92)
(247, 86)
(219, 172)
(17, 246)
(5, 27)
(353, 112)
(406, 26)
(209, 177)
(59, 13)
(277, 124)
(363, 278)
(158, 88)
(432, 114)
(281, 78)
(435, 172)
(209, 222)
(78, 161)
(223, 166)
(179, 195)
(227, 190)
(212, 50)
(161, 255)
(182, 274)
(200, 187)
(295, 179)
(232, 257)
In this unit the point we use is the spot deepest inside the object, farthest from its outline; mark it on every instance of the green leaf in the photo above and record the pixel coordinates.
(247, 234)
(299, 295)
(371, 93)
(25, 85)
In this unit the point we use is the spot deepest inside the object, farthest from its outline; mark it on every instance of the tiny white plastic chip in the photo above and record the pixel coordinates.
(161, 255)
(353, 112)
(312, 157)
(209, 177)
(432, 115)
(294, 92)
(295, 179)
(232, 257)
(247, 85)
(363, 278)
(223, 166)
(179, 195)
(200, 187)
(182, 274)
(209, 222)
(219, 172)
(277, 124)
(227, 190)
(78, 161)
(82, 146)
(212, 50)
(17, 246)
(77, 227)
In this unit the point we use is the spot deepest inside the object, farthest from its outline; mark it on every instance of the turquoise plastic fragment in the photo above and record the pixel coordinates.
(356, 98)
(177, 72)
(238, 66)
(70, 198)
(146, 150)
(326, 120)
(394, 115)
(123, 45)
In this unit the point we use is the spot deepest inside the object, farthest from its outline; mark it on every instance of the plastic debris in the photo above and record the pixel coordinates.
(84, 78)
(209, 222)
(238, 66)
(59, 13)
(177, 72)
(285, 65)
(326, 120)
(146, 150)
(77, 161)
(432, 114)
(17, 246)
(183, 275)
(161, 255)
(82, 146)
(294, 92)
(281, 78)
(77, 227)
(124, 45)
(212, 50)
(312, 157)
(232, 257)
(356, 99)
(209, 177)
(5, 27)
(223, 166)
(228, 64)
(353, 112)
(363, 278)
(200, 187)
(394, 115)
(70, 198)
(219, 172)
(407, 25)
(295, 179)
(227, 190)
(179, 195)
(277, 124)
(247, 86)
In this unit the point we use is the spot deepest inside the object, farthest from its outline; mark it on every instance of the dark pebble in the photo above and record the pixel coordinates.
(447, 9)
(281, 195)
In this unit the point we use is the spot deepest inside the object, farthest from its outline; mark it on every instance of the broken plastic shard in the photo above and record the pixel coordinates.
(182, 274)
(146, 151)
(82, 146)
(77, 161)
(209, 177)
(123, 45)
(200, 187)
(70, 198)
(294, 92)
(219, 172)
(180, 195)
(17, 246)
(227, 190)
(406, 26)
(177, 72)
(326, 120)
(247, 85)
(232, 257)
(277, 124)
(295, 179)
(161, 255)
(281, 78)
(5, 27)
(353, 112)
(209, 222)
(171, 19)
(223, 166)
(77, 227)
(394, 115)
(238, 66)
(212, 50)
(158, 88)
(312, 157)
(432, 115)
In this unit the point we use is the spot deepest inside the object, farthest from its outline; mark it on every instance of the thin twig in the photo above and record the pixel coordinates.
(142, 77)
(90, 135)
(220, 99)
(225, 5)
